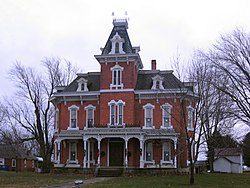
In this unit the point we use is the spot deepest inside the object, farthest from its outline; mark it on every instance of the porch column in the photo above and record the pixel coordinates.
(126, 152)
(175, 158)
(89, 154)
(84, 152)
(99, 148)
(55, 149)
(141, 152)
(58, 151)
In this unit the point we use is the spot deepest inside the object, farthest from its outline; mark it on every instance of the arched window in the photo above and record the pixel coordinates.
(116, 77)
(116, 47)
(166, 116)
(148, 115)
(116, 113)
(73, 124)
(90, 115)
(190, 117)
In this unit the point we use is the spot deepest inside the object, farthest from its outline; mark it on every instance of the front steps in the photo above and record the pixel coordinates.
(109, 172)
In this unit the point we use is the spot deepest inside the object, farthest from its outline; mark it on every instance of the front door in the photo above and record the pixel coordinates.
(116, 152)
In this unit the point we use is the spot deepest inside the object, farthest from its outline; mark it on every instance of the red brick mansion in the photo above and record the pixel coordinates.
(122, 115)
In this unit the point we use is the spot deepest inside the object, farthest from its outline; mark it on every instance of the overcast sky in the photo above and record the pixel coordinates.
(76, 29)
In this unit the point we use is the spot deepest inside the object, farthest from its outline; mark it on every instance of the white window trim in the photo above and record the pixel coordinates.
(56, 120)
(116, 112)
(69, 160)
(87, 108)
(13, 160)
(70, 108)
(117, 39)
(152, 161)
(116, 68)
(151, 107)
(190, 127)
(81, 82)
(156, 79)
(168, 145)
(168, 106)
(2, 161)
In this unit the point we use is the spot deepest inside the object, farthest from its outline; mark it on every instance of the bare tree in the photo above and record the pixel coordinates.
(214, 109)
(231, 59)
(32, 109)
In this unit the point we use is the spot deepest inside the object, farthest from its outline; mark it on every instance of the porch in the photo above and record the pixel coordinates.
(116, 147)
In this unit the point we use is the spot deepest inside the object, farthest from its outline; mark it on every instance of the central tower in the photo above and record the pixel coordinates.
(120, 63)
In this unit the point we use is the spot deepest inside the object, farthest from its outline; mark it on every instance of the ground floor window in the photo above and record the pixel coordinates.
(149, 151)
(166, 148)
(72, 151)
(1, 161)
(13, 163)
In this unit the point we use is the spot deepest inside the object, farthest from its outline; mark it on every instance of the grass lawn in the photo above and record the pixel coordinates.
(203, 180)
(32, 179)
(29, 179)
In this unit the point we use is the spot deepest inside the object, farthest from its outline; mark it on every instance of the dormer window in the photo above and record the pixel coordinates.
(116, 77)
(157, 82)
(116, 47)
(117, 43)
(82, 84)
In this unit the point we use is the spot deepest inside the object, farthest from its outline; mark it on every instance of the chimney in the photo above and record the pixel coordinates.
(153, 64)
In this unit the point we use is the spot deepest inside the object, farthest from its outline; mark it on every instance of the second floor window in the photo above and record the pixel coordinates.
(166, 116)
(190, 111)
(57, 119)
(148, 115)
(90, 115)
(73, 117)
(116, 112)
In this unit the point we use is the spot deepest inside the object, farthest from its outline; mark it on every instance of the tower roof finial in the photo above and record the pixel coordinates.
(120, 21)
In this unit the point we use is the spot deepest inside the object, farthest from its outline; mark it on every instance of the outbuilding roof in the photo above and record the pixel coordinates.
(9, 151)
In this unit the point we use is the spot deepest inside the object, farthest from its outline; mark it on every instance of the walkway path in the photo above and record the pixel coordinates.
(85, 182)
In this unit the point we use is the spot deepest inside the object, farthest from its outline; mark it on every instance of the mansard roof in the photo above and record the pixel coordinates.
(120, 27)
(93, 83)
(145, 79)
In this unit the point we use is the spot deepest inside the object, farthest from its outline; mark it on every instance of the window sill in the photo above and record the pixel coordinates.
(150, 162)
(72, 161)
(144, 127)
(73, 129)
(190, 129)
(116, 86)
(166, 162)
(116, 126)
(169, 127)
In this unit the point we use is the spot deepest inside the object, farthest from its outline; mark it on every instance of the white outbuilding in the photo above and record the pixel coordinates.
(228, 160)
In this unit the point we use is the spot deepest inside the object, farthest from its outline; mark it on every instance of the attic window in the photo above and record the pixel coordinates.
(157, 82)
(82, 85)
(117, 42)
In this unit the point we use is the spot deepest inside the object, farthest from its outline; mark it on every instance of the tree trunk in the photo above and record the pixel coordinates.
(191, 177)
